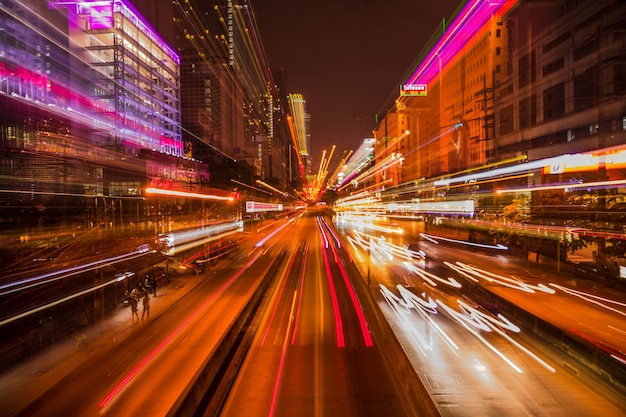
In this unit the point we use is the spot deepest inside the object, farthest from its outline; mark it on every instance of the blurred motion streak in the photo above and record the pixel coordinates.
(185, 324)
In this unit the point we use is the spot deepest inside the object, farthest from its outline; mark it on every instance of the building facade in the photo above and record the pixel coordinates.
(533, 80)
(90, 100)
(516, 115)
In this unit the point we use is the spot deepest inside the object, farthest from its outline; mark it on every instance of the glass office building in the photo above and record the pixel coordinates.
(89, 98)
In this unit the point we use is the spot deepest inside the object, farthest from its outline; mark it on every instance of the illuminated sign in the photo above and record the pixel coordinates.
(256, 207)
(414, 90)
(100, 14)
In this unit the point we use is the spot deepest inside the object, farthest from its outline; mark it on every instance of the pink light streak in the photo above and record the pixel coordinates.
(467, 24)
(333, 296)
(367, 337)
(145, 361)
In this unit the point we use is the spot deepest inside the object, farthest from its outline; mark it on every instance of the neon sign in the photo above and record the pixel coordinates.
(256, 207)
(414, 90)
(100, 14)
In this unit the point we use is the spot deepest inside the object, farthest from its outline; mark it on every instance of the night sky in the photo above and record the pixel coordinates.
(346, 57)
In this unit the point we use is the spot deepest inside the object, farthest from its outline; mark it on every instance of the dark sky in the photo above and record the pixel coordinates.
(346, 57)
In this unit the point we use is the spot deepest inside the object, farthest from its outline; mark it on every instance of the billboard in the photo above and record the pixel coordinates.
(414, 90)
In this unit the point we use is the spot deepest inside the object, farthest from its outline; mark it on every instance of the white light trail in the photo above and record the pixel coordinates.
(600, 301)
(68, 272)
(475, 274)
(434, 239)
(57, 302)
(430, 277)
(402, 307)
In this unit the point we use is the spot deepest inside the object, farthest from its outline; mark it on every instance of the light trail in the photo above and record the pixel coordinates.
(566, 187)
(430, 277)
(69, 272)
(59, 301)
(402, 307)
(145, 361)
(283, 355)
(475, 274)
(331, 231)
(591, 298)
(470, 318)
(435, 239)
(368, 242)
(283, 285)
(471, 325)
(367, 337)
(161, 191)
(304, 262)
(333, 295)
(181, 241)
(274, 232)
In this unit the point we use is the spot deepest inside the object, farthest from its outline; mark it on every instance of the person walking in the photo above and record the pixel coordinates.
(153, 285)
(146, 307)
(132, 300)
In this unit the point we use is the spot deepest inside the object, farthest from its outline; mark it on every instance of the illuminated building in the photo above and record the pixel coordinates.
(133, 74)
(567, 85)
(508, 79)
(90, 103)
(518, 108)
(447, 125)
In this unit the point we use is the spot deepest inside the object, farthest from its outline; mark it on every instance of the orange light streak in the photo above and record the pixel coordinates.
(280, 294)
(295, 328)
(145, 361)
(162, 191)
(283, 354)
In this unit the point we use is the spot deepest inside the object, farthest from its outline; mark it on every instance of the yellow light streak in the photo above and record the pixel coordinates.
(562, 186)
(283, 193)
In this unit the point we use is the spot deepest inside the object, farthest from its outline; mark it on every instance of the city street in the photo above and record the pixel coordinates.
(475, 363)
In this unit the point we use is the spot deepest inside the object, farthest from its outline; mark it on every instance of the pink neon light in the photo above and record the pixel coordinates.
(367, 337)
(469, 22)
(333, 296)
(128, 11)
(172, 335)
(100, 15)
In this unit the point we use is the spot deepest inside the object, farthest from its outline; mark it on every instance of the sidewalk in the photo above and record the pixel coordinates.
(24, 383)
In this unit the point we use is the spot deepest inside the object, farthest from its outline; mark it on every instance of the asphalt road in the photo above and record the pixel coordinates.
(313, 353)
(472, 369)
(144, 366)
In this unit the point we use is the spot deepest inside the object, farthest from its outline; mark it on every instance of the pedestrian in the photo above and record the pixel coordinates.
(132, 300)
(153, 285)
(146, 307)
(146, 285)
